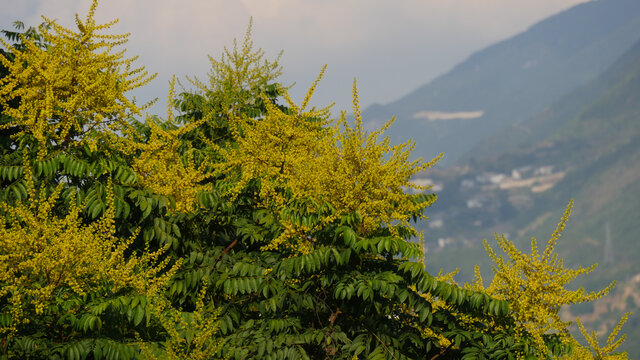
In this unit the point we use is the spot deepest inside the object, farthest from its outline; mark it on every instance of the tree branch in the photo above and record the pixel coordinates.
(226, 250)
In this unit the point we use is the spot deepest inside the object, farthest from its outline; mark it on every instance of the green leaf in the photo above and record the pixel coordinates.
(139, 315)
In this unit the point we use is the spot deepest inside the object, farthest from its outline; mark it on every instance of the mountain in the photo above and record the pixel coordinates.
(512, 80)
(547, 123)
(589, 140)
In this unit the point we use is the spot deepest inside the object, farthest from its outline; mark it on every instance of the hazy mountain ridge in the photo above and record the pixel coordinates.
(513, 79)
(591, 138)
(567, 114)
(560, 119)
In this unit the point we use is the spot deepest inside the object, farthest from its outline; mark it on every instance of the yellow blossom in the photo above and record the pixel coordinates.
(42, 255)
(76, 85)
(535, 286)
(326, 161)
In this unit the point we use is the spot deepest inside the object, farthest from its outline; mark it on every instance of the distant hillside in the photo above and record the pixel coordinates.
(591, 137)
(600, 148)
(568, 119)
(512, 80)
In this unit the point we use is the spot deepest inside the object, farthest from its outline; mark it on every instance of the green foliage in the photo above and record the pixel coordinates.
(258, 266)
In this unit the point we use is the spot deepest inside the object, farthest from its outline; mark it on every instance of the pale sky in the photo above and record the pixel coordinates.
(391, 47)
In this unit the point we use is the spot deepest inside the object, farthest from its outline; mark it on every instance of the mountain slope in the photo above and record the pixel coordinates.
(592, 135)
(510, 81)
(551, 123)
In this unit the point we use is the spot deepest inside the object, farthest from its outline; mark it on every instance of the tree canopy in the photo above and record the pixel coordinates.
(241, 225)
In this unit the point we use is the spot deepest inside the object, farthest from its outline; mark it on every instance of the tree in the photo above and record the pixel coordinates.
(75, 281)
(536, 287)
(71, 87)
(240, 227)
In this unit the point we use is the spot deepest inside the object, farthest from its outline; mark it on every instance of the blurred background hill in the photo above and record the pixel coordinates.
(512, 80)
(525, 125)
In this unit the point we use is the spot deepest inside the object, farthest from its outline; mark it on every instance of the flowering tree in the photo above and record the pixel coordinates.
(241, 226)
(536, 287)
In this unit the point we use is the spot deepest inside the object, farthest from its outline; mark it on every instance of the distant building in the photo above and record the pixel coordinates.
(474, 203)
(515, 174)
(497, 178)
(442, 242)
(483, 178)
(435, 223)
(543, 171)
(467, 184)
(521, 172)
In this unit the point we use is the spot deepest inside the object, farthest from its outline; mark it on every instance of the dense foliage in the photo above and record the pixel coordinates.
(242, 226)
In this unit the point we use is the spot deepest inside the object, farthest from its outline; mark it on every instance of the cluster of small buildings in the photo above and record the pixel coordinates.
(482, 191)
(537, 179)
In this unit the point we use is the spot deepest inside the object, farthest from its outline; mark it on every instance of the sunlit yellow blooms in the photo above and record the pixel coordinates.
(192, 335)
(443, 341)
(162, 168)
(44, 257)
(594, 351)
(300, 153)
(164, 171)
(535, 286)
(275, 149)
(75, 86)
(478, 283)
(293, 237)
(238, 77)
(366, 174)
(324, 160)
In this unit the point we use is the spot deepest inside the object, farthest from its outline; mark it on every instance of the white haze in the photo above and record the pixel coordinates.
(392, 47)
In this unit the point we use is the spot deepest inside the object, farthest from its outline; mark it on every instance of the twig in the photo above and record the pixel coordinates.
(228, 248)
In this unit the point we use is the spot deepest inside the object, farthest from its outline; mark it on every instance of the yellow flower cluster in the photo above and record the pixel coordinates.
(365, 174)
(595, 351)
(237, 78)
(43, 256)
(468, 321)
(298, 149)
(442, 341)
(535, 286)
(192, 335)
(74, 86)
(276, 149)
(293, 238)
(324, 160)
(162, 169)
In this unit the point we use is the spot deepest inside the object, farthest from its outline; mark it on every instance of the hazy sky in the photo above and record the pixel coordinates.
(391, 47)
